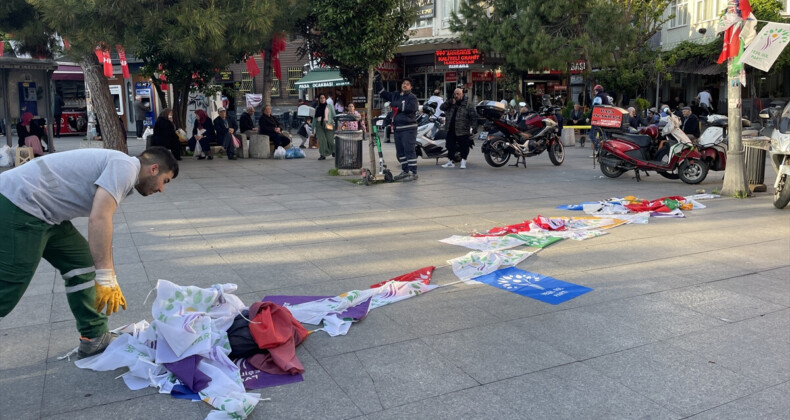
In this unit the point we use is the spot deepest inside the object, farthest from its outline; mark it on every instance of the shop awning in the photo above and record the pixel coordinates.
(68, 73)
(318, 78)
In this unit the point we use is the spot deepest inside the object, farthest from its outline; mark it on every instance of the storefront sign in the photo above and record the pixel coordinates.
(388, 66)
(225, 76)
(424, 9)
(578, 67)
(560, 87)
(460, 58)
(482, 76)
(451, 77)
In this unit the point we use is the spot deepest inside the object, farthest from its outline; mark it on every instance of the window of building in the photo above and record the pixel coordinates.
(705, 10)
(294, 74)
(678, 8)
(448, 7)
(246, 82)
(275, 87)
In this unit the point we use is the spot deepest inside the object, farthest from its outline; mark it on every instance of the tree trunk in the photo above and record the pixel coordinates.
(181, 104)
(735, 183)
(369, 122)
(112, 132)
(267, 76)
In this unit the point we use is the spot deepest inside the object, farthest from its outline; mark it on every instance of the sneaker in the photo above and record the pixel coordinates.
(449, 164)
(93, 346)
(463, 163)
(201, 157)
(302, 147)
(322, 157)
(401, 176)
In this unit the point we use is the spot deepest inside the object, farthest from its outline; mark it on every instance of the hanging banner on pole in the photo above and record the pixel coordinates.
(107, 63)
(766, 47)
(124, 64)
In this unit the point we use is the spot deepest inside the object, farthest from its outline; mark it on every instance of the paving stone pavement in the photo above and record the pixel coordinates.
(688, 317)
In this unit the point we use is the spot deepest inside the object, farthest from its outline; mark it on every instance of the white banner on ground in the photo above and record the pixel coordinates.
(763, 51)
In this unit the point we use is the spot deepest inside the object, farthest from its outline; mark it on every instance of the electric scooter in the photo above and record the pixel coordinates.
(384, 174)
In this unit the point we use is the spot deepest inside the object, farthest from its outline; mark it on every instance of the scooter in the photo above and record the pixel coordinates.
(712, 143)
(384, 174)
(780, 153)
(501, 138)
(621, 151)
(431, 135)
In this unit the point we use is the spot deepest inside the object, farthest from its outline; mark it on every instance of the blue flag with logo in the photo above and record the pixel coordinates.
(536, 286)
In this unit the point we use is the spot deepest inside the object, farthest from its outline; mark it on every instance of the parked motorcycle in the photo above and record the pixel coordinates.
(501, 139)
(780, 152)
(431, 135)
(622, 151)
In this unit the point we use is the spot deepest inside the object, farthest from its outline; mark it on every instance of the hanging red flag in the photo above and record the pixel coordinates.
(124, 64)
(278, 46)
(252, 66)
(99, 55)
(2, 48)
(732, 43)
(107, 63)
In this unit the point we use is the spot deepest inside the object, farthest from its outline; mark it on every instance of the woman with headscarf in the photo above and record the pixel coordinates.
(29, 134)
(202, 135)
(324, 127)
(165, 133)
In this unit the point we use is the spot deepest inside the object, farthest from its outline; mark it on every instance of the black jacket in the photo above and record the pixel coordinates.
(406, 105)
(267, 124)
(210, 134)
(691, 125)
(245, 123)
(577, 116)
(221, 127)
(465, 116)
(164, 133)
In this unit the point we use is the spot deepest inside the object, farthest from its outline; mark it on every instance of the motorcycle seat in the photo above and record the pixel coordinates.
(640, 140)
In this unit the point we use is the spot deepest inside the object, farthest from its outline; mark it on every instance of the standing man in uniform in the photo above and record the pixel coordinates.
(404, 120)
(461, 118)
(38, 201)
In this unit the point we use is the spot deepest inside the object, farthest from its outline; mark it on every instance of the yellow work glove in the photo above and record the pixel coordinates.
(108, 293)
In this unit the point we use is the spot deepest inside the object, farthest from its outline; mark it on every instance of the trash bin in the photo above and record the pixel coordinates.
(348, 149)
(348, 143)
(755, 165)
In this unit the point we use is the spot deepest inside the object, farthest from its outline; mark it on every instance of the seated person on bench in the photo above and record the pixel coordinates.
(269, 126)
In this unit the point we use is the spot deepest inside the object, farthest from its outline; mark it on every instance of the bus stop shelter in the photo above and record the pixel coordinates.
(25, 86)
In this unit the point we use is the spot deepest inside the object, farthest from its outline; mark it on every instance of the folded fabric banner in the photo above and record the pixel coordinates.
(254, 378)
(475, 264)
(536, 286)
(484, 243)
(535, 239)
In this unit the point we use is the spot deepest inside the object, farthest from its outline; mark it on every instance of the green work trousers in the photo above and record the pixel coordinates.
(24, 239)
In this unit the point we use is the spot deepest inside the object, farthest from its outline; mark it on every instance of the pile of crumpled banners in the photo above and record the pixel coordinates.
(185, 349)
(189, 348)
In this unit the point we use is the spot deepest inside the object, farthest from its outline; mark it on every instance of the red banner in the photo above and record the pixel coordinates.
(2, 48)
(124, 64)
(451, 77)
(482, 76)
(278, 46)
(252, 66)
(107, 63)
(99, 55)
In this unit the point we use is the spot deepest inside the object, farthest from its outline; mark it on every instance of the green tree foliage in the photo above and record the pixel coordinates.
(535, 34)
(33, 37)
(356, 36)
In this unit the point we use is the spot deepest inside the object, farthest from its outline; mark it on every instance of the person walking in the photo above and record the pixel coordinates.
(404, 110)
(324, 127)
(461, 119)
(139, 115)
(35, 223)
(165, 133)
(57, 111)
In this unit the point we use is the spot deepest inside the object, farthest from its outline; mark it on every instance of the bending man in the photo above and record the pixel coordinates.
(38, 201)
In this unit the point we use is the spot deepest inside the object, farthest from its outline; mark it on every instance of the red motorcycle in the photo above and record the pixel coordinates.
(621, 151)
(501, 139)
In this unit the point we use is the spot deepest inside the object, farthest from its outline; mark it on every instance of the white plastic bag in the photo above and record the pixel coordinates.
(279, 153)
(6, 159)
(148, 132)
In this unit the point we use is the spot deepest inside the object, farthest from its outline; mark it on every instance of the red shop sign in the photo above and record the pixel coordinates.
(451, 76)
(482, 76)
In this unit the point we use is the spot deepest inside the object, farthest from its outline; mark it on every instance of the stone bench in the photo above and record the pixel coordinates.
(259, 147)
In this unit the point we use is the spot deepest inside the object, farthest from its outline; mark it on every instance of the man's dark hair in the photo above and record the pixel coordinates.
(161, 156)
(408, 79)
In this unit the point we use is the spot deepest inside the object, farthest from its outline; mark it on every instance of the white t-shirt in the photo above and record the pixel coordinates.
(705, 98)
(61, 186)
(439, 101)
